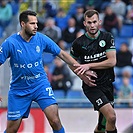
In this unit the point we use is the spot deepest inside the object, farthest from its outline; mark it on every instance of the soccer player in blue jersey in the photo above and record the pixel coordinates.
(29, 80)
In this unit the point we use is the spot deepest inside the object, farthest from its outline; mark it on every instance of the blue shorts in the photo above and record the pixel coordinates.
(19, 105)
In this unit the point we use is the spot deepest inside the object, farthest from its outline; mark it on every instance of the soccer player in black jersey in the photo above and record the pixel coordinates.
(96, 51)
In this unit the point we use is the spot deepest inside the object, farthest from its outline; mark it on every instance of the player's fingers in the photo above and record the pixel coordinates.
(90, 80)
(82, 71)
(88, 77)
(91, 73)
(93, 81)
(92, 84)
(76, 65)
(77, 69)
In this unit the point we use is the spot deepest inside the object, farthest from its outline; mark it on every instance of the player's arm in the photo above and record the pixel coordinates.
(67, 58)
(109, 62)
(71, 61)
(0, 96)
(4, 54)
(86, 77)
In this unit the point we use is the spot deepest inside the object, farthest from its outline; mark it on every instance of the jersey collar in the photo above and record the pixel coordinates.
(91, 37)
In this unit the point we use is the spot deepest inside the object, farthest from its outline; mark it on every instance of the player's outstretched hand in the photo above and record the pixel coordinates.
(87, 79)
(90, 73)
(81, 69)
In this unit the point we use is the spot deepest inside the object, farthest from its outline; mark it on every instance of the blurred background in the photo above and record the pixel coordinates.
(62, 21)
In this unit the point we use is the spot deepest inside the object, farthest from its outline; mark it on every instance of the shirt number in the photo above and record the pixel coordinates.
(50, 91)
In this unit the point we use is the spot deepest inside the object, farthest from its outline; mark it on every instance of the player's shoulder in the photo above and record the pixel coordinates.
(80, 39)
(11, 38)
(39, 34)
(105, 34)
(42, 36)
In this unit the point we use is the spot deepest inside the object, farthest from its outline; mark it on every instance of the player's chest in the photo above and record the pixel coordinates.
(26, 53)
(93, 51)
(93, 47)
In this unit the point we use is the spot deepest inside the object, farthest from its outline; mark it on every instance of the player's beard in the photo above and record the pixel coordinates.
(92, 33)
(29, 33)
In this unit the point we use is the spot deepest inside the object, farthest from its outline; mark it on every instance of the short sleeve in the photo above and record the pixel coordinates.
(50, 46)
(4, 51)
(75, 50)
(110, 43)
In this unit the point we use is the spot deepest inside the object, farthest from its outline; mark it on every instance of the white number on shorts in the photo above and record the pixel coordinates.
(99, 101)
(50, 91)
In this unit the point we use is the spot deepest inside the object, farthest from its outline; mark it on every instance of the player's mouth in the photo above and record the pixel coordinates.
(34, 30)
(92, 30)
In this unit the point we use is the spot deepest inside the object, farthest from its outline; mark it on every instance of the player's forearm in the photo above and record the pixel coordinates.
(103, 65)
(67, 58)
(86, 79)
(72, 68)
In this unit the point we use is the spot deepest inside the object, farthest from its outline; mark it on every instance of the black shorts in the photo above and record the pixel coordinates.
(99, 95)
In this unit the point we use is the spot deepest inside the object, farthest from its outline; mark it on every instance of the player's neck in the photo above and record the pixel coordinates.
(25, 36)
(93, 36)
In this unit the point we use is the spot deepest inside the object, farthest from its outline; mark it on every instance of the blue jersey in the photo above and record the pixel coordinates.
(26, 59)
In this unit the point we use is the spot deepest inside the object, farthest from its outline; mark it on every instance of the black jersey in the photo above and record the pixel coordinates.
(89, 50)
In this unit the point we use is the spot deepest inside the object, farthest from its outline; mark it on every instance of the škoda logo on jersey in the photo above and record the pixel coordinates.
(102, 43)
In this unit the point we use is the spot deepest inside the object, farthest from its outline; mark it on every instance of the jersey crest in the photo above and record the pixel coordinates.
(102, 43)
(37, 49)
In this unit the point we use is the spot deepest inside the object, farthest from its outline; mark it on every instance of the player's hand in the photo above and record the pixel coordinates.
(81, 69)
(87, 79)
(90, 73)
(84, 69)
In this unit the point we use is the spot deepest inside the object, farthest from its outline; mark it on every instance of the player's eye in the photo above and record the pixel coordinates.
(89, 22)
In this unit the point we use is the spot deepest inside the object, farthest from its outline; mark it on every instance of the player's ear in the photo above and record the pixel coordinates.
(100, 22)
(84, 23)
(22, 23)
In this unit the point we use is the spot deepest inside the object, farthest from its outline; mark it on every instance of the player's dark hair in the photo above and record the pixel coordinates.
(90, 13)
(24, 15)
